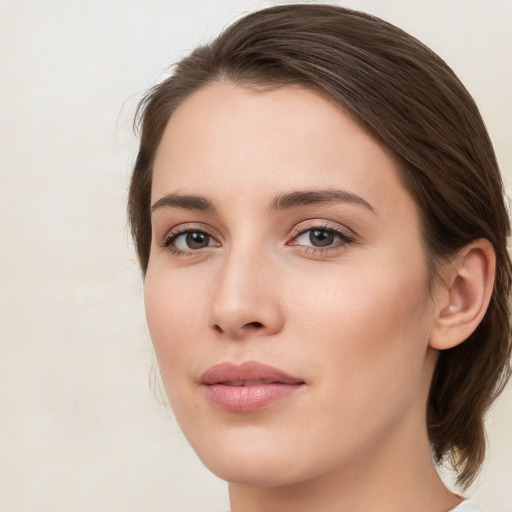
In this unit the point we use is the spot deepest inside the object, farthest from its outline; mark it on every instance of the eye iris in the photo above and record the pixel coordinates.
(321, 238)
(197, 240)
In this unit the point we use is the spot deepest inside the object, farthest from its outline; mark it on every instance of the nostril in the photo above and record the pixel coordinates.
(249, 325)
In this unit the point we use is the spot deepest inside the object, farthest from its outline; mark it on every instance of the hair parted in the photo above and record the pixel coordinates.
(408, 97)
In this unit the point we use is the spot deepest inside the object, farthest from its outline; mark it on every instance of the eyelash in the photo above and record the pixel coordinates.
(345, 239)
(171, 237)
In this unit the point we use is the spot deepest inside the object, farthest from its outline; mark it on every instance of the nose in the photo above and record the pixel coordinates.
(247, 299)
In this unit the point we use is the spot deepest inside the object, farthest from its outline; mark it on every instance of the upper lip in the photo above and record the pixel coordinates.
(250, 371)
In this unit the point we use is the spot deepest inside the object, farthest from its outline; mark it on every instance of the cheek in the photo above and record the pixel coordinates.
(368, 328)
(364, 336)
(173, 311)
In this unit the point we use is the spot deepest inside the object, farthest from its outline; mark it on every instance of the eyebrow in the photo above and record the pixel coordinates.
(308, 197)
(187, 202)
(281, 202)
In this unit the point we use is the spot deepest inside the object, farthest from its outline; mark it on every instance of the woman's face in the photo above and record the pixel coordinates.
(286, 292)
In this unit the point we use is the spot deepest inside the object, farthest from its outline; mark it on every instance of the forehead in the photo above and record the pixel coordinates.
(231, 141)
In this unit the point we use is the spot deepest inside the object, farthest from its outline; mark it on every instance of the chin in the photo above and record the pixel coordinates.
(262, 473)
(270, 460)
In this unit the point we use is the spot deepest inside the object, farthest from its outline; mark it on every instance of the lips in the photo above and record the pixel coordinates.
(248, 387)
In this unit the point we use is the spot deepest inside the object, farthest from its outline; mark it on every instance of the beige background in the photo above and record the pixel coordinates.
(79, 428)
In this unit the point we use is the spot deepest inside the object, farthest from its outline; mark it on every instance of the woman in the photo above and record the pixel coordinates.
(319, 217)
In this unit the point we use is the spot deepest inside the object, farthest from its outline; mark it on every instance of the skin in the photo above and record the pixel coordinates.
(354, 320)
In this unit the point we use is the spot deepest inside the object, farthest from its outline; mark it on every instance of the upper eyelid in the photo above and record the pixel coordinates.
(184, 227)
(308, 225)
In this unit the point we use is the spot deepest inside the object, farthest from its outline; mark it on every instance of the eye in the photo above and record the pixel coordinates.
(319, 237)
(190, 240)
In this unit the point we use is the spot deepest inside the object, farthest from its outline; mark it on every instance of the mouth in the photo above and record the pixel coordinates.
(248, 387)
(238, 383)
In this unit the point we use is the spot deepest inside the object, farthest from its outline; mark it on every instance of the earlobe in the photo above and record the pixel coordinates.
(464, 296)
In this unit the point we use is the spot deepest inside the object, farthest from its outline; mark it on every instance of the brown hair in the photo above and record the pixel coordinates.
(409, 97)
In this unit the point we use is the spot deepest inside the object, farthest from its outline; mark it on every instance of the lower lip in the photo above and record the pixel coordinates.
(248, 398)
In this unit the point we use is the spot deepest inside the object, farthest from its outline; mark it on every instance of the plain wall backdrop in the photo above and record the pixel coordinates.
(79, 427)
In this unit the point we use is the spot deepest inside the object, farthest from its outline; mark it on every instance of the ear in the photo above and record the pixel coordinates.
(463, 294)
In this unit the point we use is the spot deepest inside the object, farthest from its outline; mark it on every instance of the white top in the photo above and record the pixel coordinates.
(468, 506)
